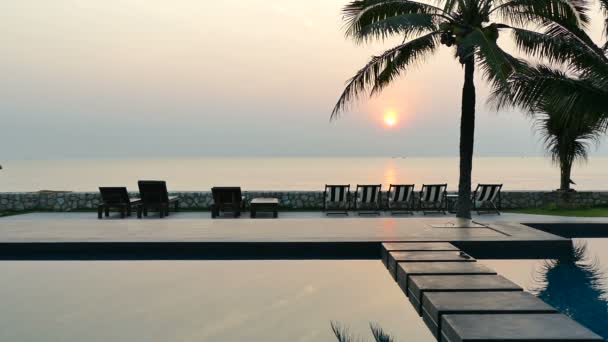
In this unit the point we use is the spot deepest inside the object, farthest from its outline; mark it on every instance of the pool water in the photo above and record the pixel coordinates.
(258, 300)
(577, 286)
(201, 301)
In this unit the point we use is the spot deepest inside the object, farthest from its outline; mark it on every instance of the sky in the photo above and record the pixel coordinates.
(156, 78)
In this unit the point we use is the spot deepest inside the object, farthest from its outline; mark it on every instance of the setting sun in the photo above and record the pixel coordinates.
(390, 118)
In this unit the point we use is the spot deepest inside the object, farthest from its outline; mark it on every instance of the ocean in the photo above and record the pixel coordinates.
(195, 174)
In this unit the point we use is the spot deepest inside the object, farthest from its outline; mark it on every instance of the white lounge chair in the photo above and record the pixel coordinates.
(336, 199)
(368, 197)
(401, 199)
(433, 198)
(485, 197)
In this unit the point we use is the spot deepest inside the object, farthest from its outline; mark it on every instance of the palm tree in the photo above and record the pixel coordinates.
(575, 79)
(472, 28)
(567, 139)
(569, 94)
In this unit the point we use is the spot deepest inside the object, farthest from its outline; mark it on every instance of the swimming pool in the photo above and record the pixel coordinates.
(258, 300)
(200, 301)
(576, 286)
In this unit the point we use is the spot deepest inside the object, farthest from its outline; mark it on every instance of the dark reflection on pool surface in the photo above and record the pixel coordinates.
(201, 301)
(576, 285)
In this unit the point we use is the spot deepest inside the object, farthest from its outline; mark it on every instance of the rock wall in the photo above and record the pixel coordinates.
(295, 200)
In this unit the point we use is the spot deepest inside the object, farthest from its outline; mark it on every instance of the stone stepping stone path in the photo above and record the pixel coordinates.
(520, 327)
(407, 269)
(437, 304)
(461, 300)
(414, 247)
(421, 285)
(425, 256)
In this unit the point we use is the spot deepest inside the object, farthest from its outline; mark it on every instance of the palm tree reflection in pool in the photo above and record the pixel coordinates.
(343, 335)
(575, 285)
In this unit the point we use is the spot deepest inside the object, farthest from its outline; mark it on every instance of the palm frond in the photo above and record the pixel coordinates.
(604, 8)
(562, 49)
(496, 63)
(366, 19)
(406, 25)
(382, 69)
(567, 138)
(534, 88)
(451, 5)
(341, 332)
(379, 334)
(570, 13)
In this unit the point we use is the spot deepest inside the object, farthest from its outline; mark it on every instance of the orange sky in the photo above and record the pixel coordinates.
(193, 70)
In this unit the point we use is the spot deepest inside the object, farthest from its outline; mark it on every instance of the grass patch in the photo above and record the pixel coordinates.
(580, 212)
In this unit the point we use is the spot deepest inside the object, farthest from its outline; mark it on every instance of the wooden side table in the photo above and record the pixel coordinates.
(264, 205)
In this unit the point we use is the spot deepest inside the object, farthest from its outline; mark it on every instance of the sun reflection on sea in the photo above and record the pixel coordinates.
(390, 174)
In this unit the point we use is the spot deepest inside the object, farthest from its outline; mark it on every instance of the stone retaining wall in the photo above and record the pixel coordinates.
(304, 200)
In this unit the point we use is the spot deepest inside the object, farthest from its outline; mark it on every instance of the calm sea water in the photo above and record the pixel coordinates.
(231, 301)
(290, 173)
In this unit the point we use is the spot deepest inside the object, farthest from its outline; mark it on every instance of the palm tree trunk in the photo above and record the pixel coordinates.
(467, 138)
(566, 169)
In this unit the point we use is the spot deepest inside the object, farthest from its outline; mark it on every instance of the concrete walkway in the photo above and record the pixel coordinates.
(301, 235)
(504, 217)
(290, 227)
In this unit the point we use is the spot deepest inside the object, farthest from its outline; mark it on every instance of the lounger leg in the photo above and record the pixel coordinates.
(495, 208)
(129, 209)
(99, 211)
(139, 211)
(161, 211)
(145, 211)
(107, 211)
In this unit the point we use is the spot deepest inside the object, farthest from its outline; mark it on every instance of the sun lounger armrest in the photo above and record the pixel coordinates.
(135, 200)
(173, 198)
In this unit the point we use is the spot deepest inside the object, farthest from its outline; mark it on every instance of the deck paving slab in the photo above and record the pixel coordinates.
(437, 304)
(414, 247)
(407, 269)
(514, 328)
(420, 285)
(426, 256)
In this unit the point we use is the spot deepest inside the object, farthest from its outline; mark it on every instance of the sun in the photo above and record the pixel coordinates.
(390, 118)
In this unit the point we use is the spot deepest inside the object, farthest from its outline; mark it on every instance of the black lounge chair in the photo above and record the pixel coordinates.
(485, 197)
(227, 199)
(154, 195)
(116, 198)
(401, 199)
(336, 199)
(433, 198)
(367, 199)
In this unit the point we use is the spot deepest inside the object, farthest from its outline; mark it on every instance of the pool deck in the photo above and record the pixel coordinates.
(192, 235)
(292, 233)
(196, 227)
